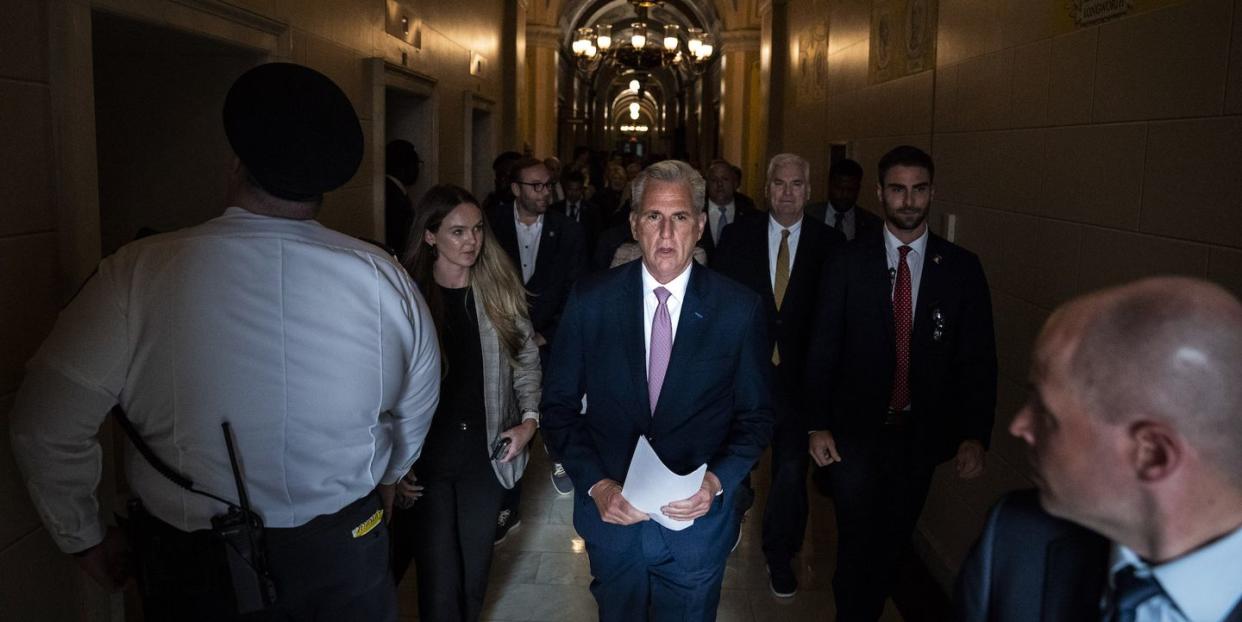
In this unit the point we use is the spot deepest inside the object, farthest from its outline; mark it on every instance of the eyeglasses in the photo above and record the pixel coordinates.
(538, 186)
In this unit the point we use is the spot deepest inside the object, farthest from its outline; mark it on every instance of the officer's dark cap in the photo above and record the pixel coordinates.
(293, 129)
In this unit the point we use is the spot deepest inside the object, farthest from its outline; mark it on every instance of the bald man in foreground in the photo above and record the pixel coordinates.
(1134, 425)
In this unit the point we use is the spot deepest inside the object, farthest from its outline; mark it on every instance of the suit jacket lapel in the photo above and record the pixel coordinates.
(549, 240)
(1077, 566)
(630, 307)
(875, 262)
(930, 284)
(764, 268)
(809, 238)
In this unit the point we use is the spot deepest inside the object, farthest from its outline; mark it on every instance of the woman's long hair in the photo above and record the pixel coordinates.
(493, 277)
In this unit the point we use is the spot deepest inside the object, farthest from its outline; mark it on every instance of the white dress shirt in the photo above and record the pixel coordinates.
(315, 346)
(528, 243)
(713, 216)
(677, 295)
(774, 246)
(847, 220)
(914, 259)
(1202, 586)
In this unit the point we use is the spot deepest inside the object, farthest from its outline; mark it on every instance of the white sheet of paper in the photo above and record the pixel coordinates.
(649, 485)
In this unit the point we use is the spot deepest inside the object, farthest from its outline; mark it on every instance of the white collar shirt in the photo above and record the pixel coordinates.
(528, 243)
(315, 346)
(914, 259)
(848, 220)
(677, 295)
(774, 246)
(1201, 586)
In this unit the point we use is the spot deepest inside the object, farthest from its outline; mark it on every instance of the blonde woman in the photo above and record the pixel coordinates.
(488, 411)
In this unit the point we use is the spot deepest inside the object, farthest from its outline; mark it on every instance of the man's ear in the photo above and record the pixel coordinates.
(1158, 450)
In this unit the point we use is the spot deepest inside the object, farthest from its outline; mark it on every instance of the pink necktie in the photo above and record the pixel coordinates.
(661, 346)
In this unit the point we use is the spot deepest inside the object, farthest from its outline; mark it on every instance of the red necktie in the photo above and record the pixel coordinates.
(903, 323)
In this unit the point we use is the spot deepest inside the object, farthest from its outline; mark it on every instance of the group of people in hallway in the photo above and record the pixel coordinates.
(310, 414)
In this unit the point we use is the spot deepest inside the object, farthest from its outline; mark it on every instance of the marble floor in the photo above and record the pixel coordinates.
(540, 573)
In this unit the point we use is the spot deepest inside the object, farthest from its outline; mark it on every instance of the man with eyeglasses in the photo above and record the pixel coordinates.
(548, 249)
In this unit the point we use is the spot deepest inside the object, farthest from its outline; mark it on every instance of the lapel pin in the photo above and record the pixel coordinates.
(936, 259)
(552, 234)
(698, 315)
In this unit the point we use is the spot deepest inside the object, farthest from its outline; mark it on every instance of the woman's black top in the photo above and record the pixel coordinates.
(459, 428)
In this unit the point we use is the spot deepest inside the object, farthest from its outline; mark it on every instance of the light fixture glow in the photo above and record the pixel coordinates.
(604, 37)
(670, 36)
(638, 38)
(694, 40)
(634, 84)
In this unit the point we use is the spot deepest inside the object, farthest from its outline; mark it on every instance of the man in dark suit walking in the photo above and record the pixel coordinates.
(1133, 429)
(549, 251)
(781, 256)
(723, 206)
(578, 209)
(678, 354)
(901, 376)
(841, 210)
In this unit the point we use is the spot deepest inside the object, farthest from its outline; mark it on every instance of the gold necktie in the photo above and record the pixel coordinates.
(781, 284)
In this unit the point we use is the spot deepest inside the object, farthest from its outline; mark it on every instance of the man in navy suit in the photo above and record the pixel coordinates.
(1133, 430)
(901, 376)
(674, 352)
(780, 256)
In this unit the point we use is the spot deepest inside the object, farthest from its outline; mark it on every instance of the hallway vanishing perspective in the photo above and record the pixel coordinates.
(1078, 144)
(540, 572)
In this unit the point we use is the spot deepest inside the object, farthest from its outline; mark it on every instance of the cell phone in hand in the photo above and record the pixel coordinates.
(501, 446)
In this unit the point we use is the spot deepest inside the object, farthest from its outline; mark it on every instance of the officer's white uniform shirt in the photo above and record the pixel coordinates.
(316, 347)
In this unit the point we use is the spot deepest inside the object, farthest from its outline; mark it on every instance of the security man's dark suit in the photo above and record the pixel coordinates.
(743, 256)
(887, 459)
(1031, 567)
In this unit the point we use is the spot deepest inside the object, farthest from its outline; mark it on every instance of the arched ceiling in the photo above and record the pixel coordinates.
(684, 13)
(715, 16)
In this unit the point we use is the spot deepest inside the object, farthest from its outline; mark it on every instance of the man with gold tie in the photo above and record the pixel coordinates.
(780, 256)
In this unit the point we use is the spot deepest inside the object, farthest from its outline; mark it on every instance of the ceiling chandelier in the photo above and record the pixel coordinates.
(639, 49)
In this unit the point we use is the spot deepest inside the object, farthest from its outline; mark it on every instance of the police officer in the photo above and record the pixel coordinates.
(315, 347)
